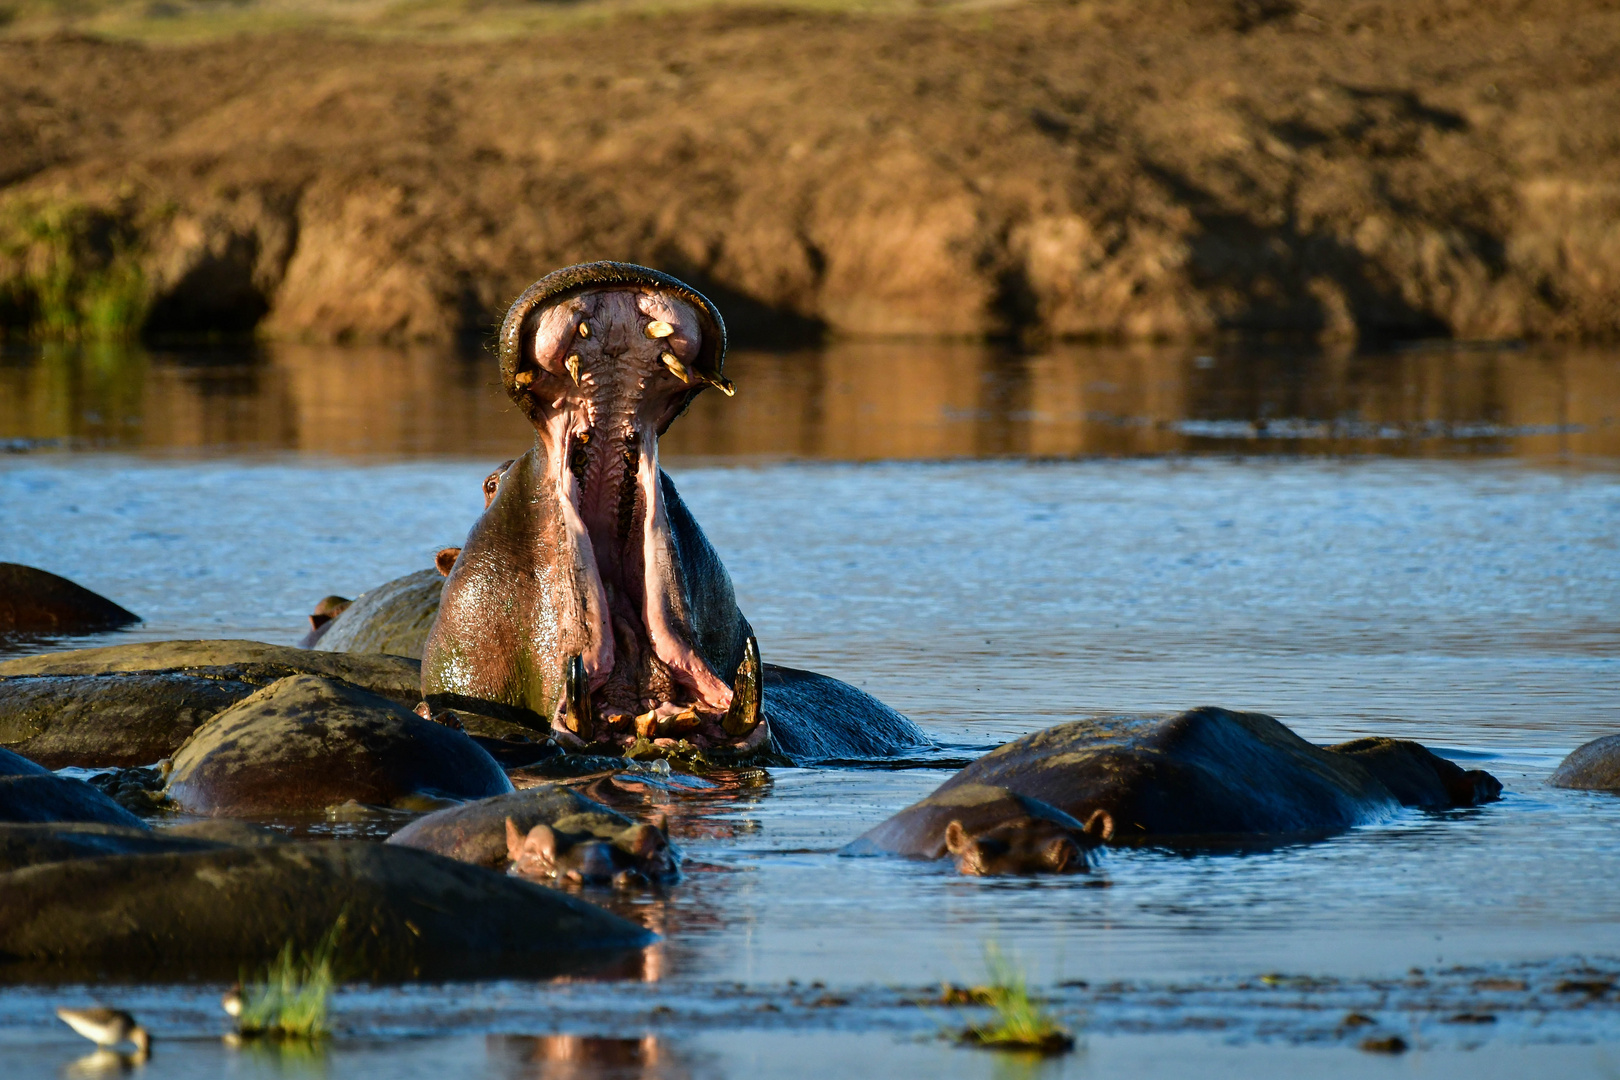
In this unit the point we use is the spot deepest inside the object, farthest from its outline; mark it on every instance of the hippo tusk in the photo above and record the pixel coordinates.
(658, 328)
(722, 384)
(744, 714)
(676, 368)
(577, 714)
(573, 367)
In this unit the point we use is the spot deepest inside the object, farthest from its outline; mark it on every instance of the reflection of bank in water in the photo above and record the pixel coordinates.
(861, 400)
(563, 1057)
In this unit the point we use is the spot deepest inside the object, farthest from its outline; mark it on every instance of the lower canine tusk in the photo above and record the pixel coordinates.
(675, 366)
(573, 367)
(578, 704)
(744, 715)
(722, 384)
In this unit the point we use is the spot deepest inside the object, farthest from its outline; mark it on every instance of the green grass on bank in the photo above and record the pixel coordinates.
(69, 272)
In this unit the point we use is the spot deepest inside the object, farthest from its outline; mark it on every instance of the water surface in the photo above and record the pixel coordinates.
(991, 543)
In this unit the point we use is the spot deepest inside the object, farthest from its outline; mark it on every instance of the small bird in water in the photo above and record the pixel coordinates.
(231, 1001)
(107, 1027)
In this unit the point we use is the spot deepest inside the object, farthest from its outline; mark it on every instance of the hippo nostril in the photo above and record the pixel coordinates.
(596, 862)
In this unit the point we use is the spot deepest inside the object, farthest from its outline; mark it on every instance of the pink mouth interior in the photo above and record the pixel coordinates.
(601, 437)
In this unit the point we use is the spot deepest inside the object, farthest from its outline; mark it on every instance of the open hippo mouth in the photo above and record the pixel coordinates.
(626, 625)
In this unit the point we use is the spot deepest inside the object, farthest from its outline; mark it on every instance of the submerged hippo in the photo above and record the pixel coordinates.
(548, 833)
(32, 794)
(34, 601)
(306, 743)
(1593, 766)
(586, 600)
(1204, 778)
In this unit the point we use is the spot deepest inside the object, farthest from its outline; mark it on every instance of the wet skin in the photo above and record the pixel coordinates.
(586, 599)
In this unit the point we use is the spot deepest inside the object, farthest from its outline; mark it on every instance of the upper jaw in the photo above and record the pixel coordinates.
(602, 371)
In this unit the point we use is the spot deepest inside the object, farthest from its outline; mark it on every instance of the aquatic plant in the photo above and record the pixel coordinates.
(1019, 1022)
(290, 1001)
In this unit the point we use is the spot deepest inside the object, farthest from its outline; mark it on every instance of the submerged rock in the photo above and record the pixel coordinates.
(1593, 766)
(392, 618)
(202, 914)
(546, 832)
(29, 792)
(131, 705)
(34, 601)
(1204, 778)
(305, 743)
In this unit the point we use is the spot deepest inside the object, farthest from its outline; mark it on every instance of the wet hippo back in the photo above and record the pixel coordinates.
(1199, 777)
(306, 743)
(393, 618)
(1593, 766)
(36, 601)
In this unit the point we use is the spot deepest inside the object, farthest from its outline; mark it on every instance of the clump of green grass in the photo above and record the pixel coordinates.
(70, 272)
(290, 1002)
(1018, 1022)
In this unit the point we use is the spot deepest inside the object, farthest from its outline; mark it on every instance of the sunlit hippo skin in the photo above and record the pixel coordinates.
(1593, 766)
(305, 744)
(988, 831)
(549, 833)
(586, 600)
(34, 601)
(1207, 778)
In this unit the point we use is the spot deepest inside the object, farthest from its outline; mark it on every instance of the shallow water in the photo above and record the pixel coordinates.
(1461, 589)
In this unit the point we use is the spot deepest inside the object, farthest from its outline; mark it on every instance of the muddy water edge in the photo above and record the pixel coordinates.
(1418, 543)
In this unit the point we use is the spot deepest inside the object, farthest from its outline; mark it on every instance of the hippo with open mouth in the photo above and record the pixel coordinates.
(586, 600)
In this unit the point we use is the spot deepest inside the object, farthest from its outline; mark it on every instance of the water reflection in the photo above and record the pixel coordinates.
(854, 400)
(563, 1057)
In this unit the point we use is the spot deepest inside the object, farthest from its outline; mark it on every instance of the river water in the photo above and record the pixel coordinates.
(1420, 544)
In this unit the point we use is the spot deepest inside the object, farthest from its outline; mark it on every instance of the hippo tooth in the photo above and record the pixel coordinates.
(579, 699)
(573, 365)
(674, 365)
(584, 331)
(722, 384)
(658, 328)
(522, 379)
(744, 715)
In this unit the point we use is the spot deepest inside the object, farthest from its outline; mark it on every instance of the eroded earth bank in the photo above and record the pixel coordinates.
(1143, 168)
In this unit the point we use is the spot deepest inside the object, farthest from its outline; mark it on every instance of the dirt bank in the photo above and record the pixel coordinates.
(1139, 168)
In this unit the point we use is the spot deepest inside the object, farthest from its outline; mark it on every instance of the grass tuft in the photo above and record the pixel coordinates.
(70, 272)
(290, 1002)
(1019, 1022)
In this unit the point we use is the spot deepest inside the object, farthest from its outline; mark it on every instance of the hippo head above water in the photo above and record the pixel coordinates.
(586, 598)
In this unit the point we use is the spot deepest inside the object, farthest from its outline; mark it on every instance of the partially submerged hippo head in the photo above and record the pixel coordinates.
(578, 849)
(586, 598)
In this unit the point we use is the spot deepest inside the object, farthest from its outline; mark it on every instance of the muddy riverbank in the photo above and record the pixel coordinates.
(1115, 168)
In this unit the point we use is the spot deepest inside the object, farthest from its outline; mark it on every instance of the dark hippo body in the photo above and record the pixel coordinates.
(35, 845)
(212, 913)
(587, 600)
(1593, 766)
(478, 833)
(36, 601)
(1204, 778)
(306, 743)
(31, 793)
(132, 705)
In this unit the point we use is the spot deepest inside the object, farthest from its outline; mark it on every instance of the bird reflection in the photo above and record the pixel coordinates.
(105, 1062)
(566, 1057)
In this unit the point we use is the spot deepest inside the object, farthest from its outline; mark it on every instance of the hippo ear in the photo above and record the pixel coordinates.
(1100, 825)
(514, 841)
(956, 838)
(660, 821)
(446, 559)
